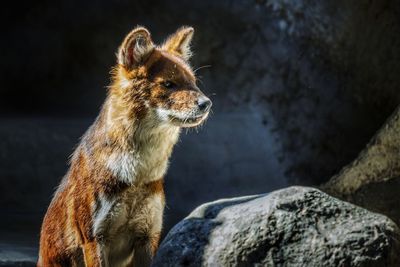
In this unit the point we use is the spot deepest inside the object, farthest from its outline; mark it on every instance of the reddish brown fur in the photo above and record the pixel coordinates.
(140, 115)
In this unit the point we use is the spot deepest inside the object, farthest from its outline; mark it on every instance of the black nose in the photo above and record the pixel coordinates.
(204, 104)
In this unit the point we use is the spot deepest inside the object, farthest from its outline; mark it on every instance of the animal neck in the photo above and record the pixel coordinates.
(138, 150)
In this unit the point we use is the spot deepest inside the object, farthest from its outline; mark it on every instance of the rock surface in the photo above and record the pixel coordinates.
(372, 180)
(297, 226)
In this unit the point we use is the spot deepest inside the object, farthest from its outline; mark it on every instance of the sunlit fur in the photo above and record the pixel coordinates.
(108, 209)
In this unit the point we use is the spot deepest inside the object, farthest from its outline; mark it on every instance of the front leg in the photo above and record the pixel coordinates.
(154, 242)
(143, 255)
(94, 255)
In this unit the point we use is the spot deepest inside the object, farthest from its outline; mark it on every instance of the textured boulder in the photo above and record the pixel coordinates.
(297, 226)
(372, 180)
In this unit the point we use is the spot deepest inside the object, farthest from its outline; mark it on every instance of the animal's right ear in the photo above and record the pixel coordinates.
(136, 48)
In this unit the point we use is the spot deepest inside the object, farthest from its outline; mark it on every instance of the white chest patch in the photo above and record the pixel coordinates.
(123, 165)
(103, 209)
(132, 216)
(148, 160)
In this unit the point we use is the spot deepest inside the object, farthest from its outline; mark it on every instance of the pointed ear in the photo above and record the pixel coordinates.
(136, 48)
(179, 42)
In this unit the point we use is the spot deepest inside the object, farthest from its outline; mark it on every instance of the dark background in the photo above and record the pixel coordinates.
(299, 87)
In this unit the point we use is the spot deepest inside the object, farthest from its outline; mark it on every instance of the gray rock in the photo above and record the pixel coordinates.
(296, 226)
(372, 180)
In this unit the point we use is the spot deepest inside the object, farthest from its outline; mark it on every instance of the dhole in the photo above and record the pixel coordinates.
(108, 208)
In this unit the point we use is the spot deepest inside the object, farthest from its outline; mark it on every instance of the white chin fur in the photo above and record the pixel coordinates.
(163, 114)
(181, 119)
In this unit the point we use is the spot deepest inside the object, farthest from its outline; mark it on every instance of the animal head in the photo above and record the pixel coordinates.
(157, 82)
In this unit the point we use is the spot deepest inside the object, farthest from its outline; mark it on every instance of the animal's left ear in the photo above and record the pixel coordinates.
(179, 42)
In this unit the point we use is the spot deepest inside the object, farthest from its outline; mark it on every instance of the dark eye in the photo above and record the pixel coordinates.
(169, 84)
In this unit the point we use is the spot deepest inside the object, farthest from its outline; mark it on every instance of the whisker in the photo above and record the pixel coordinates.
(202, 67)
(186, 118)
